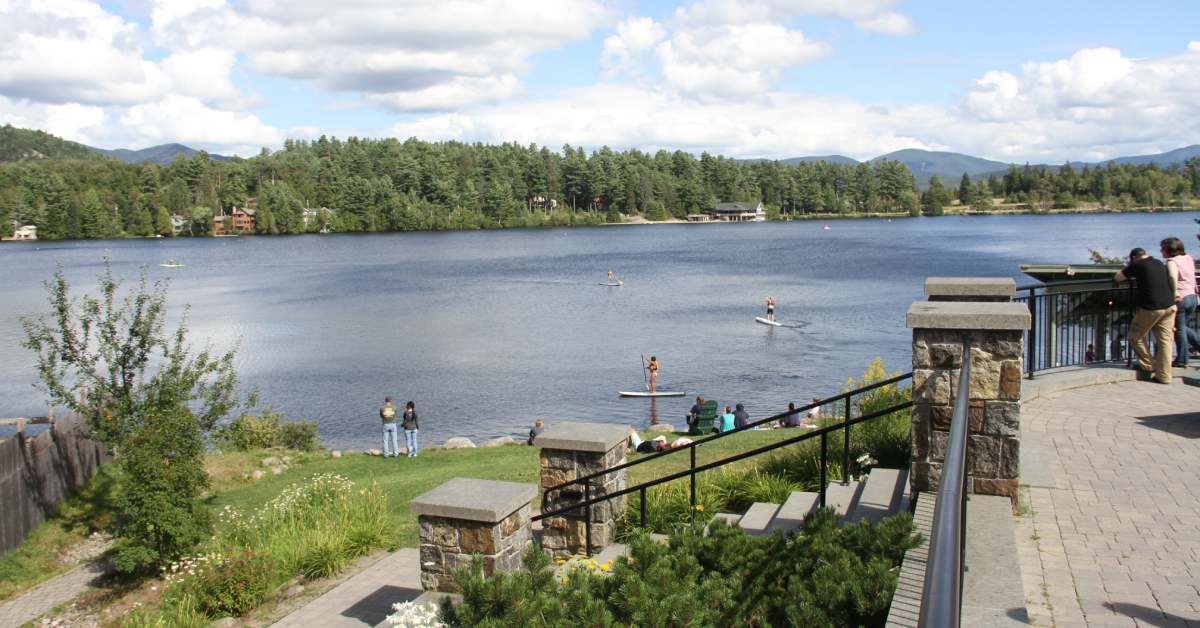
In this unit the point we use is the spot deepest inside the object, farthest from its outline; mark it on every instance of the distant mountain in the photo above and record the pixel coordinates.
(1163, 159)
(831, 159)
(949, 167)
(21, 144)
(162, 154)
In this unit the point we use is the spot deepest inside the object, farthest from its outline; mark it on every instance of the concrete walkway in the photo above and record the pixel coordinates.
(1113, 536)
(365, 599)
(60, 590)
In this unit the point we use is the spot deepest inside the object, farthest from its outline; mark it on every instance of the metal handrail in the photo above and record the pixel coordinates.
(941, 600)
(1055, 284)
(821, 433)
(700, 441)
(1065, 331)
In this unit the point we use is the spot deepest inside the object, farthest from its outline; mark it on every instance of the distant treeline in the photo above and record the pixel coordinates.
(388, 185)
(1117, 186)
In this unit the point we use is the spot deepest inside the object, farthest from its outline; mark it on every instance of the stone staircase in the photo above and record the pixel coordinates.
(883, 493)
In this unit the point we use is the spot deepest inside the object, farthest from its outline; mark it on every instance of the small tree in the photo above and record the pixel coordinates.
(146, 394)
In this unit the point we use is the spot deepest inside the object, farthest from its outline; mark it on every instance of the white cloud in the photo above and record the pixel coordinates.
(405, 56)
(635, 38)
(733, 60)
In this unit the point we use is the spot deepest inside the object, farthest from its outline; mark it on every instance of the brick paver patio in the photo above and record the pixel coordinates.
(1113, 536)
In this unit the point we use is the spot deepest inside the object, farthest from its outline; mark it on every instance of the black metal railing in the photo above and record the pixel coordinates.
(845, 399)
(823, 433)
(941, 600)
(1075, 322)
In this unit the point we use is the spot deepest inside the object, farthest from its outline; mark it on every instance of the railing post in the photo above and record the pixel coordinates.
(642, 507)
(587, 521)
(1129, 328)
(1032, 359)
(846, 446)
(824, 466)
(692, 487)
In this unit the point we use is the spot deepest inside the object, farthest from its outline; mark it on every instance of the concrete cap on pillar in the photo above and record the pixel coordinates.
(488, 501)
(995, 287)
(578, 436)
(975, 315)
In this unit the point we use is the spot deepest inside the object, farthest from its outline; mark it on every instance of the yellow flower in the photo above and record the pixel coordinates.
(605, 567)
(699, 507)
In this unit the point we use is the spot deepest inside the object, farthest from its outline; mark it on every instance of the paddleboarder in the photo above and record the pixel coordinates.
(610, 275)
(770, 308)
(652, 370)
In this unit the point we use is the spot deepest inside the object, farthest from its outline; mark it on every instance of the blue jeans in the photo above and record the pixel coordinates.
(410, 441)
(391, 444)
(1184, 335)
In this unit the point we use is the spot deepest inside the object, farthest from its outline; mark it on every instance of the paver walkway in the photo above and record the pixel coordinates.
(365, 599)
(1114, 534)
(47, 595)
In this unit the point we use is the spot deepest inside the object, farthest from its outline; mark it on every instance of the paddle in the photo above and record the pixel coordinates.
(644, 375)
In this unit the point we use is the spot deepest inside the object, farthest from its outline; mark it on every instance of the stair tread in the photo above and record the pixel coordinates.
(881, 494)
(791, 514)
(728, 517)
(842, 497)
(757, 520)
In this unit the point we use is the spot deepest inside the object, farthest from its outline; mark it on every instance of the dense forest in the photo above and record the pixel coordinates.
(360, 185)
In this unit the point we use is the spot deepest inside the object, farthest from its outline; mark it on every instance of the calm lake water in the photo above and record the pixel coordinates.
(488, 330)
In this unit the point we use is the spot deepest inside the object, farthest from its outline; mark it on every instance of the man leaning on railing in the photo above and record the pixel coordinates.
(1154, 293)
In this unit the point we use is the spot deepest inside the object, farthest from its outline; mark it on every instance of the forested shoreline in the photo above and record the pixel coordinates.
(367, 185)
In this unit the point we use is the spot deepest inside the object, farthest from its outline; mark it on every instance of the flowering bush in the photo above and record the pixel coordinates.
(413, 615)
(222, 585)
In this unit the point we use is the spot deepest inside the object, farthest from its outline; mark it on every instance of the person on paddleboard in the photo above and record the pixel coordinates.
(652, 369)
(610, 275)
(770, 308)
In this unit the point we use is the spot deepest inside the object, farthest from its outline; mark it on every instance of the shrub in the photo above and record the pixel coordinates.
(261, 431)
(218, 585)
(162, 475)
(824, 575)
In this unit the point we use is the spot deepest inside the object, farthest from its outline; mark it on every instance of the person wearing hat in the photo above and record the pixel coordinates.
(1154, 296)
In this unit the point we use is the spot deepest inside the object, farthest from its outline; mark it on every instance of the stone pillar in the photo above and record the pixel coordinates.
(994, 332)
(996, 289)
(464, 517)
(573, 450)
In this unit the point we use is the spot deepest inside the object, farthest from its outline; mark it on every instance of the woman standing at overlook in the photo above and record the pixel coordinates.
(1183, 267)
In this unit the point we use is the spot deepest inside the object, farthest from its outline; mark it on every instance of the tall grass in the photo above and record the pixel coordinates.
(312, 528)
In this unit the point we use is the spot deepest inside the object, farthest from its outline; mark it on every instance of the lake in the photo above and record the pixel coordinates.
(487, 330)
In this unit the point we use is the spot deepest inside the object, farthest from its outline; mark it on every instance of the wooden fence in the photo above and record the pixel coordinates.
(38, 472)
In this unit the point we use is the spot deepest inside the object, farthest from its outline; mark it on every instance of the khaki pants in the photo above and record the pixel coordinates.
(1162, 324)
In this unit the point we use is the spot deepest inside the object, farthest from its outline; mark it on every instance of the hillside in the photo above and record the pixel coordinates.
(831, 159)
(947, 166)
(162, 154)
(20, 144)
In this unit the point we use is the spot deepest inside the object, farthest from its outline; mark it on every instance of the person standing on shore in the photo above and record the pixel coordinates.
(1155, 295)
(391, 444)
(537, 428)
(410, 425)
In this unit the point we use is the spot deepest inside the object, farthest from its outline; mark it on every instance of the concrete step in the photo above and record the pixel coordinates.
(842, 497)
(881, 495)
(793, 511)
(757, 520)
(727, 517)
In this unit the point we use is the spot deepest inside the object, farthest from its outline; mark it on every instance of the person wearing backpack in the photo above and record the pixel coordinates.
(391, 443)
(410, 425)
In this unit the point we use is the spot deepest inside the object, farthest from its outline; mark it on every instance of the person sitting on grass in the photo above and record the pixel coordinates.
(724, 423)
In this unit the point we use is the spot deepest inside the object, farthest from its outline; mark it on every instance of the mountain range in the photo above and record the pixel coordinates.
(18, 144)
(949, 167)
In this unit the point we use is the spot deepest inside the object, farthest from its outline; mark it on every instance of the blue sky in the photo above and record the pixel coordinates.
(1015, 81)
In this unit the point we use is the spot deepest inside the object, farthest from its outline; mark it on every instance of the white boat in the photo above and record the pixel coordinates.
(759, 319)
(641, 393)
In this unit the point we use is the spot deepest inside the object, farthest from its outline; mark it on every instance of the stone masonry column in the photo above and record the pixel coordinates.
(464, 517)
(573, 450)
(994, 332)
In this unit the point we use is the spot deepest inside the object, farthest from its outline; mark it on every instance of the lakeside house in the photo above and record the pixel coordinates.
(312, 215)
(240, 219)
(732, 212)
(178, 222)
(23, 232)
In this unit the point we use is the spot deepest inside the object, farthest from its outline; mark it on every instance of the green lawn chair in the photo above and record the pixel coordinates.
(708, 417)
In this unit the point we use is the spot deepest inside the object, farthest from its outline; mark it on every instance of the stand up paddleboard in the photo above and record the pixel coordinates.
(759, 319)
(626, 393)
(171, 265)
(614, 285)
